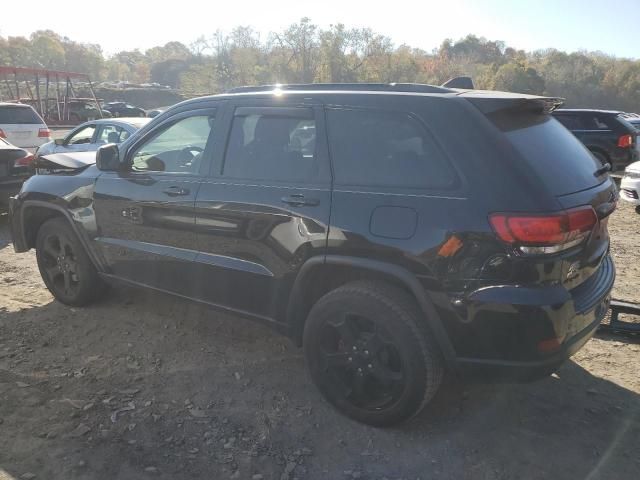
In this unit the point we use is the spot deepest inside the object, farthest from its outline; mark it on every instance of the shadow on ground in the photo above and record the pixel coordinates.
(197, 394)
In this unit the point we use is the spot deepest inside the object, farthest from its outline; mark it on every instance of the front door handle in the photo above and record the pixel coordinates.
(299, 200)
(176, 191)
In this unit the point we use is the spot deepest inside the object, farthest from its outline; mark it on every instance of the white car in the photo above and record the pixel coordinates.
(89, 136)
(21, 126)
(630, 185)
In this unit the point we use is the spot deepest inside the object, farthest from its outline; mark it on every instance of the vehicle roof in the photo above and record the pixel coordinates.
(137, 122)
(588, 110)
(383, 89)
(10, 104)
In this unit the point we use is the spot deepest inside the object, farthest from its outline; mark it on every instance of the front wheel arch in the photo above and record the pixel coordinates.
(34, 213)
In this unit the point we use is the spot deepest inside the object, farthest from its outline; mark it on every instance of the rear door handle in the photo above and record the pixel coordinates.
(176, 191)
(299, 200)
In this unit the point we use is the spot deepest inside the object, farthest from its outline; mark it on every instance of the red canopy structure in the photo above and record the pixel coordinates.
(13, 76)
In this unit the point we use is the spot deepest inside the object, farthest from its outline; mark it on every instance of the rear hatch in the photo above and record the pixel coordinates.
(21, 125)
(566, 170)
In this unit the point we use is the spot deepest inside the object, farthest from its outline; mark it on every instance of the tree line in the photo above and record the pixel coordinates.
(304, 52)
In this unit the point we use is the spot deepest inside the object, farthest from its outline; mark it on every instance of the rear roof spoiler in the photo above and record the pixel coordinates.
(465, 83)
(490, 102)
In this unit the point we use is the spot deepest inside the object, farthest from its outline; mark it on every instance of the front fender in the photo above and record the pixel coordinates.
(46, 196)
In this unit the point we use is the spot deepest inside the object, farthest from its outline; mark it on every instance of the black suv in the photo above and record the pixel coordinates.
(123, 109)
(394, 231)
(607, 134)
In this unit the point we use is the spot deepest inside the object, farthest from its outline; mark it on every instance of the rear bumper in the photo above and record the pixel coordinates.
(9, 187)
(526, 371)
(630, 190)
(529, 334)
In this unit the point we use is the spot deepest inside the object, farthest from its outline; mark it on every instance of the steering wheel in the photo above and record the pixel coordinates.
(187, 157)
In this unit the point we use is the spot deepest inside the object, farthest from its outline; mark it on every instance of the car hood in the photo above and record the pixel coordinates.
(67, 160)
(634, 167)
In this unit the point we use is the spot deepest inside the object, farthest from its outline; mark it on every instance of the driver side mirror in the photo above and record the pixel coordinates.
(108, 158)
(59, 141)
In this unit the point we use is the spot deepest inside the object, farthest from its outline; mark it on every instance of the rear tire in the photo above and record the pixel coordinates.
(64, 265)
(638, 209)
(370, 353)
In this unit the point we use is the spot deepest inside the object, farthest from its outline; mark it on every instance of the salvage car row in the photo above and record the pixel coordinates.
(25, 138)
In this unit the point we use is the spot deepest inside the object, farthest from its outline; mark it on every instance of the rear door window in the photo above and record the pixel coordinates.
(594, 121)
(382, 148)
(275, 145)
(111, 134)
(19, 115)
(572, 122)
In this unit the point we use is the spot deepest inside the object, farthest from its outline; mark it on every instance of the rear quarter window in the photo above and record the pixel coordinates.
(386, 149)
(556, 156)
(19, 115)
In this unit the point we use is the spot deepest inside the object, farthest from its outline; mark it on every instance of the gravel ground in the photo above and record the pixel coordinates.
(147, 386)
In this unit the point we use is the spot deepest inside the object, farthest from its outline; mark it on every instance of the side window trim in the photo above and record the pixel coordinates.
(302, 112)
(168, 123)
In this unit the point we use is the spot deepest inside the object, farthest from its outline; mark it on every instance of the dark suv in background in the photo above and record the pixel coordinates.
(394, 231)
(607, 134)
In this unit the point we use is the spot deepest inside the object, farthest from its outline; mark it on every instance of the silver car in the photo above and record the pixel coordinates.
(89, 136)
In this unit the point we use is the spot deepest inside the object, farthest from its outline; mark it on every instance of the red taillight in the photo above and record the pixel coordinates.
(625, 141)
(2, 134)
(551, 233)
(44, 133)
(24, 161)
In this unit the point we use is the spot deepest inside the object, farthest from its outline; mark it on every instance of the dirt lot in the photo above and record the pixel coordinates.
(145, 386)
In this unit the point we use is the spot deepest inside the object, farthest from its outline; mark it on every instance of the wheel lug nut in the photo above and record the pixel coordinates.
(355, 349)
(369, 366)
(366, 352)
(350, 359)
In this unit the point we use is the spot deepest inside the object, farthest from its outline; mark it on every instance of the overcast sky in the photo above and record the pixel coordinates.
(570, 25)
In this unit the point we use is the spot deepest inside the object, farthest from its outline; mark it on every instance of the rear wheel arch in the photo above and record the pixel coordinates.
(320, 275)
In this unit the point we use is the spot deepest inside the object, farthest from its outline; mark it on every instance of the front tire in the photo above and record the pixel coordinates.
(370, 353)
(64, 265)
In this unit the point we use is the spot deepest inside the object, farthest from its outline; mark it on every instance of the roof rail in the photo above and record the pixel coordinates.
(378, 87)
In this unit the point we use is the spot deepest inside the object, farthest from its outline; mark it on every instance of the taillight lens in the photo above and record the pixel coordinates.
(24, 161)
(2, 134)
(545, 234)
(625, 141)
(44, 133)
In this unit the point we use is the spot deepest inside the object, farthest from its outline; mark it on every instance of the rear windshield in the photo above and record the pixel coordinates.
(555, 155)
(18, 115)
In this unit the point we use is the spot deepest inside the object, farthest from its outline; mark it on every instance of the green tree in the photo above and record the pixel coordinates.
(47, 50)
(513, 77)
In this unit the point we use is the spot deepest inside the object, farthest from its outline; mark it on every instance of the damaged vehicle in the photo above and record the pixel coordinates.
(397, 232)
